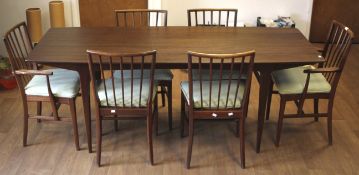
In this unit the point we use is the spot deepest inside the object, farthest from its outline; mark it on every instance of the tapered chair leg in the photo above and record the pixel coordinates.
(169, 100)
(163, 93)
(330, 121)
(74, 123)
(242, 142)
(182, 113)
(280, 120)
(98, 139)
(149, 137)
(155, 117)
(316, 108)
(115, 124)
(190, 141)
(269, 100)
(38, 110)
(26, 123)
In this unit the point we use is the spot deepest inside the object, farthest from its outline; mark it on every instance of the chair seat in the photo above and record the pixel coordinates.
(292, 81)
(160, 74)
(216, 74)
(64, 83)
(214, 98)
(136, 97)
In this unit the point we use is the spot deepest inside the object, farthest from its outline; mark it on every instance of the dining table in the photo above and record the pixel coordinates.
(276, 48)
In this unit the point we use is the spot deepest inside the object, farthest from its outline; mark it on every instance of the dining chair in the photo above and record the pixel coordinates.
(55, 86)
(216, 99)
(212, 17)
(119, 98)
(309, 82)
(135, 18)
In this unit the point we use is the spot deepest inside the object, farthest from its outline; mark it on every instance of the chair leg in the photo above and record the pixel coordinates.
(280, 120)
(149, 136)
(269, 101)
(115, 124)
(74, 123)
(242, 141)
(182, 113)
(98, 139)
(163, 90)
(155, 118)
(330, 121)
(316, 108)
(38, 110)
(190, 141)
(169, 100)
(26, 123)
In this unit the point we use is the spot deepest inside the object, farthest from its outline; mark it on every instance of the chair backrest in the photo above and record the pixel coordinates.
(102, 62)
(19, 45)
(212, 17)
(239, 65)
(134, 18)
(336, 50)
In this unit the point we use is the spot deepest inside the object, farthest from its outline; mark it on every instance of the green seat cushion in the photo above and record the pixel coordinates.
(160, 74)
(214, 96)
(216, 74)
(292, 81)
(63, 83)
(136, 97)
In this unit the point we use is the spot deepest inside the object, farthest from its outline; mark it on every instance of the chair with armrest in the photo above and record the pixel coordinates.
(309, 82)
(55, 86)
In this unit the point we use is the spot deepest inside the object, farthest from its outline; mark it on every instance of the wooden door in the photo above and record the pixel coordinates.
(99, 13)
(324, 11)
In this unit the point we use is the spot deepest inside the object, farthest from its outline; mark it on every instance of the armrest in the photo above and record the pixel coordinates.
(322, 70)
(33, 72)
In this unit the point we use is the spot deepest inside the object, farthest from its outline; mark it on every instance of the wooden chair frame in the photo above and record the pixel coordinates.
(212, 21)
(106, 61)
(165, 86)
(335, 53)
(19, 45)
(189, 113)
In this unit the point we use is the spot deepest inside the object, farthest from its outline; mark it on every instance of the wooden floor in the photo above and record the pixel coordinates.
(303, 149)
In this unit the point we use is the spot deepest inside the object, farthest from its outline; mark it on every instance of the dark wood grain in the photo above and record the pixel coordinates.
(271, 45)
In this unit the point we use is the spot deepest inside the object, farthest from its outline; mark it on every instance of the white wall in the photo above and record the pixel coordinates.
(13, 11)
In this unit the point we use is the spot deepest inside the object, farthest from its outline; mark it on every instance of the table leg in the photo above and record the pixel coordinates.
(85, 89)
(264, 79)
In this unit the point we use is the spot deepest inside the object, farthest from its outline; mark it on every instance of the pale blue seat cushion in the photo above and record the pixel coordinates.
(64, 83)
(292, 81)
(160, 74)
(137, 94)
(214, 96)
(216, 74)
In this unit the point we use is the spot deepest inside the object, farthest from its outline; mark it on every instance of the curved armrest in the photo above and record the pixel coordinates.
(33, 72)
(322, 70)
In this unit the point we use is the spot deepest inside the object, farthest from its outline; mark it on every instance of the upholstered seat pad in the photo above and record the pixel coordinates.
(138, 94)
(64, 83)
(226, 74)
(292, 81)
(160, 74)
(214, 97)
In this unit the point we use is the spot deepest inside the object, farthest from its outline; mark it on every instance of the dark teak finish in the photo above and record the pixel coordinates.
(19, 45)
(335, 53)
(240, 64)
(103, 61)
(275, 49)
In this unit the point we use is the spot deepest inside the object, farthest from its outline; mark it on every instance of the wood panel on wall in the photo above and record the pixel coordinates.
(96, 13)
(324, 11)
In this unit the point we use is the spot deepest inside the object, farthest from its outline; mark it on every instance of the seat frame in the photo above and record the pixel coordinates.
(18, 45)
(335, 53)
(189, 114)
